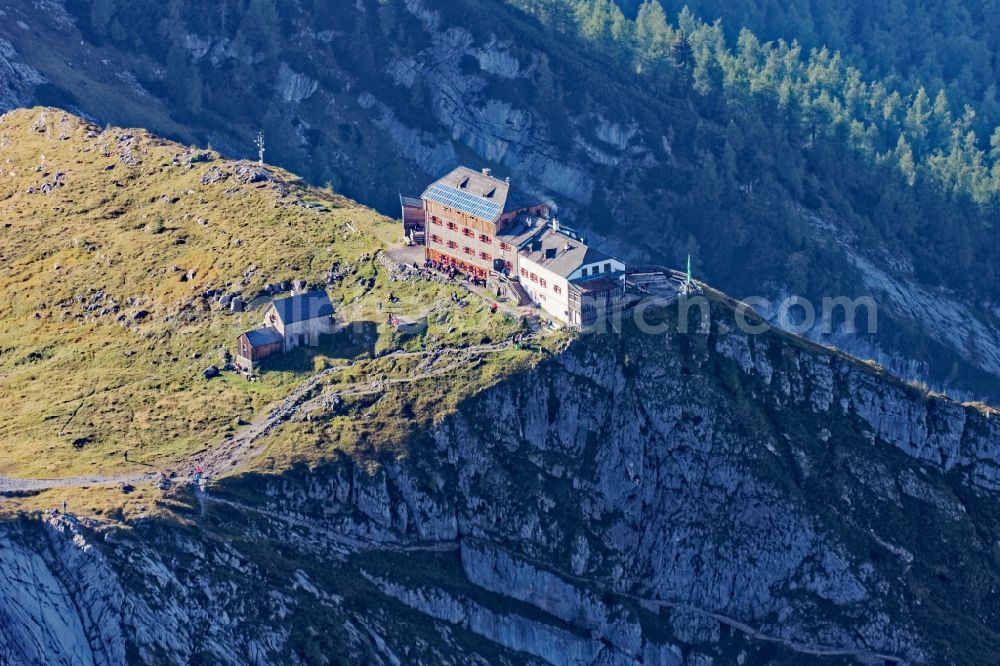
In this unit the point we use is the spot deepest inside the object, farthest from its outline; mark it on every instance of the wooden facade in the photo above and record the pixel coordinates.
(461, 240)
(590, 301)
(464, 211)
(538, 210)
(248, 355)
(413, 215)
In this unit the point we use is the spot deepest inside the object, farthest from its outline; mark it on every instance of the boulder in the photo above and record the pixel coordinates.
(214, 175)
(248, 173)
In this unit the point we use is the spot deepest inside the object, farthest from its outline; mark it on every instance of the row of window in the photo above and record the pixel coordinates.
(483, 238)
(466, 249)
(540, 281)
(597, 270)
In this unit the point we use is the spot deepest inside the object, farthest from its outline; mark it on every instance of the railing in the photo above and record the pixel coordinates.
(645, 268)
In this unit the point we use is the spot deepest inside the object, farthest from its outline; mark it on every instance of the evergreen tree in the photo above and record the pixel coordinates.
(260, 28)
(682, 55)
(595, 20)
(101, 13)
(652, 31)
(904, 156)
(916, 118)
(364, 51)
(552, 102)
(995, 146)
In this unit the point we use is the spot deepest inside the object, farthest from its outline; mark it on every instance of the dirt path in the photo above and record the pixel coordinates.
(8, 484)
(235, 451)
(327, 534)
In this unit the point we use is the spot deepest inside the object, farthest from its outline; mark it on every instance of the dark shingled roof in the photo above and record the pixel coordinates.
(559, 252)
(301, 307)
(261, 337)
(412, 202)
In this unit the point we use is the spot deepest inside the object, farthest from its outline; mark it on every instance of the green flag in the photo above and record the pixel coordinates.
(689, 269)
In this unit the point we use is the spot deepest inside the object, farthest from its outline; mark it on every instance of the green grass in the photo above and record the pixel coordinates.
(151, 238)
(389, 421)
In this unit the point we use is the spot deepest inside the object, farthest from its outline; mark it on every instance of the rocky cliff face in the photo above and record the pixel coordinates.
(659, 499)
(61, 599)
(17, 80)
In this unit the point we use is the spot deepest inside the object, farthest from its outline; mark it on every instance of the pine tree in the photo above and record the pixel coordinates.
(622, 32)
(551, 103)
(682, 55)
(595, 21)
(652, 31)
(101, 12)
(260, 28)
(995, 147)
(364, 52)
(917, 116)
(904, 157)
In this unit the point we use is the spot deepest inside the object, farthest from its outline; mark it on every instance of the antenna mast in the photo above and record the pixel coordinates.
(260, 147)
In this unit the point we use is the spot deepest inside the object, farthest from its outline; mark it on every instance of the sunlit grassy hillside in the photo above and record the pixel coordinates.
(115, 248)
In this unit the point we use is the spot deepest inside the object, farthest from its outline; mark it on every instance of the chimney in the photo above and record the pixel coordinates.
(566, 246)
(555, 224)
(486, 172)
(507, 179)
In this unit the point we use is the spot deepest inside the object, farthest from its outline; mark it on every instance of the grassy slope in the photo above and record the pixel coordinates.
(68, 373)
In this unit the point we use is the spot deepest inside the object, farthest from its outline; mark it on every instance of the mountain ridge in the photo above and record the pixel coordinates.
(695, 494)
(659, 176)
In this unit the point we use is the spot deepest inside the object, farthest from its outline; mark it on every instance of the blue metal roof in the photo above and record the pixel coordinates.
(452, 197)
(300, 307)
(263, 336)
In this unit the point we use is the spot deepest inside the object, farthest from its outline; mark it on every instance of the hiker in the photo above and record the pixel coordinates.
(126, 455)
(494, 308)
(65, 510)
